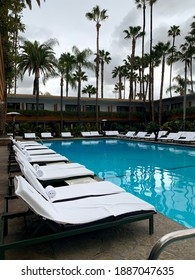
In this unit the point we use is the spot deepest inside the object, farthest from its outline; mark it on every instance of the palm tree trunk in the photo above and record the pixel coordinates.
(78, 101)
(97, 72)
(61, 103)
(161, 91)
(184, 97)
(102, 79)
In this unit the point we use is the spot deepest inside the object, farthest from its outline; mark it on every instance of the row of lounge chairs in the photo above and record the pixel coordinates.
(45, 185)
(163, 135)
(48, 135)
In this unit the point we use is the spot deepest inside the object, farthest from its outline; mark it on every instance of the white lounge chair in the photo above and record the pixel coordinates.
(44, 159)
(112, 133)
(85, 134)
(63, 193)
(169, 137)
(46, 135)
(29, 135)
(66, 135)
(129, 134)
(139, 135)
(54, 174)
(187, 137)
(83, 210)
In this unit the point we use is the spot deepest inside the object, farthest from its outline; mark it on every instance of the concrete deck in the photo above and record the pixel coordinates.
(127, 242)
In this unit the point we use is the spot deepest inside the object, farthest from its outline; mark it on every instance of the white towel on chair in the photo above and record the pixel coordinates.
(50, 191)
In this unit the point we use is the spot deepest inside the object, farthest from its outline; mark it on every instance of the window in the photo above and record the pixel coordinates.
(122, 108)
(32, 106)
(90, 108)
(13, 106)
(71, 108)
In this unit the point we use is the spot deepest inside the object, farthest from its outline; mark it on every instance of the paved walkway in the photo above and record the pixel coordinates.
(126, 242)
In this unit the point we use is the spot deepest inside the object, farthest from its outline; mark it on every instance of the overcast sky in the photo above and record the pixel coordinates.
(65, 20)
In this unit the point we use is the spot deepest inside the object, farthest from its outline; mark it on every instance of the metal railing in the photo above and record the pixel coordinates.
(169, 238)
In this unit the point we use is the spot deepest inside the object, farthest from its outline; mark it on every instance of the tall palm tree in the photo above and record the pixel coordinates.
(82, 60)
(37, 59)
(174, 31)
(118, 72)
(97, 15)
(142, 4)
(79, 76)
(151, 87)
(162, 50)
(132, 33)
(104, 57)
(65, 67)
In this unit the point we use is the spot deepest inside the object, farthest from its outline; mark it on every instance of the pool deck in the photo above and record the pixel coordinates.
(125, 242)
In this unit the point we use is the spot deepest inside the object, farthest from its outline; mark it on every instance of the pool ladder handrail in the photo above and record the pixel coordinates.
(169, 238)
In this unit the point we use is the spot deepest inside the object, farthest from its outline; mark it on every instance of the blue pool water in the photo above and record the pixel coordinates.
(161, 174)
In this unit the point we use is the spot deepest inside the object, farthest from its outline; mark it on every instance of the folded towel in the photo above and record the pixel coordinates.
(36, 166)
(50, 191)
(39, 173)
(29, 158)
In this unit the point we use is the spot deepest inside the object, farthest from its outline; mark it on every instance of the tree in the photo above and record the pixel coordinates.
(132, 33)
(151, 87)
(97, 15)
(162, 50)
(179, 87)
(89, 89)
(104, 57)
(79, 76)
(118, 72)
(173, 31)
(37, 59)
(81, 61)
(142, 4)
(65, 67)
(29, 3)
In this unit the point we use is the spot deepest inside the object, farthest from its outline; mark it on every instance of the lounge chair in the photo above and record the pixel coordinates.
(46, 135)
(129, 134)
(29, 135)
(95, 134)
(42, 159)
(63, 193)
(111, 133)
(85, 134)
(54, 175)
(187, 137)
(169, 137)
(66, 135)
(139, 135)
(76, 216)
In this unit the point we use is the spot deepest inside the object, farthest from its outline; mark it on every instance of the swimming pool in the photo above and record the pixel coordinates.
(162, 175)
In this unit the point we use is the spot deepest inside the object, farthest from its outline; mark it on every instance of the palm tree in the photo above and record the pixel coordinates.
(118, 72)
(179, 87)
(81, 61)
(151, 87)
(162, 50)
(132, 33)
(65, 66)
(104, 57)
(79, 76)
(29, 3)
(173, 31)
(37, 59)
(89, 89)
(97, 16)
(142, 4)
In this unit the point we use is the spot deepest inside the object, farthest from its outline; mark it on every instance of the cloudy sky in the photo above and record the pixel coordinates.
(65, 20)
